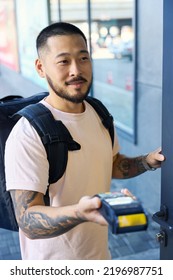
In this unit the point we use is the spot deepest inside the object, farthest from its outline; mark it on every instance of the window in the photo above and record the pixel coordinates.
(112, 37)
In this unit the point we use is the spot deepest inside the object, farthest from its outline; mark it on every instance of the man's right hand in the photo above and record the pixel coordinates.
(87, 210)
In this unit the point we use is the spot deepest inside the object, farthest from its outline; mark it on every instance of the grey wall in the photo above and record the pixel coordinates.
(149, 104)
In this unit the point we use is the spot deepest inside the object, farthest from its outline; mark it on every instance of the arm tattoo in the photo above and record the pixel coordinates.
(21, 200)
(39, 224)
(131, 167)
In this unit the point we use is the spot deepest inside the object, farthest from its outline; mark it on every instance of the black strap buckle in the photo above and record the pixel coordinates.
(50, 139)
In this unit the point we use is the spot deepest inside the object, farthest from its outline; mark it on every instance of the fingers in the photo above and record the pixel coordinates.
(90, 203)
(158, 150)
(128, 193)
(155, 158)
(158, 154)
(87, 210)
(99, 219)
(160, 157)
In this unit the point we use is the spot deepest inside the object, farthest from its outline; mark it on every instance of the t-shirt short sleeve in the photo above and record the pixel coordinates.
(26, 165)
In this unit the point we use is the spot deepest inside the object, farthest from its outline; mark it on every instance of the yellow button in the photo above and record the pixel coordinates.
(132, 220)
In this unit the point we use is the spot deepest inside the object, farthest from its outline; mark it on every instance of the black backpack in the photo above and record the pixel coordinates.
(54, 135)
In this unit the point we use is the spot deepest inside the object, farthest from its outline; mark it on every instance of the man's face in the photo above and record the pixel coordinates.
(66, 65)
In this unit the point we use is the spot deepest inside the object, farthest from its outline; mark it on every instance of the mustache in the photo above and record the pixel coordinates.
(77, 79)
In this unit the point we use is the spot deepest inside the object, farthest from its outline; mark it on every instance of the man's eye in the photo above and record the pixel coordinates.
(64, 61)
(84, 58)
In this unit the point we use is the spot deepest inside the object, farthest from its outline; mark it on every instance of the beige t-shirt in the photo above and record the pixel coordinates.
(88, 172)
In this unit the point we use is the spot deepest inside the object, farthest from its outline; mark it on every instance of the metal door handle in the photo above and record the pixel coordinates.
(161, 217)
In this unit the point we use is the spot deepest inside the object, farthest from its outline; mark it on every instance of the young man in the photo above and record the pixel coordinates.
(71, 227)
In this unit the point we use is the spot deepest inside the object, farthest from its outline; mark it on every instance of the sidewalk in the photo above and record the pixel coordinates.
(132, 246)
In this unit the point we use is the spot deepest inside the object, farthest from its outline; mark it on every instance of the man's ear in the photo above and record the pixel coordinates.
(40, 68)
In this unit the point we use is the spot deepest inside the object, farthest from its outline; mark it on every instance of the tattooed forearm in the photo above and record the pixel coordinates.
(36, 219)
(128, 167)
(21, 201)
(39, 225)
(131, 167)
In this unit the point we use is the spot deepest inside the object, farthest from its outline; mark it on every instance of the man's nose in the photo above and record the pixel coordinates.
(75, 69)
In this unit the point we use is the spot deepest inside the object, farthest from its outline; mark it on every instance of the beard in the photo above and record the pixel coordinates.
(59, 91)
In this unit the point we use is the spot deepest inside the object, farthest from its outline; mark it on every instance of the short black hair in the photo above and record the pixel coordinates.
(58, 28)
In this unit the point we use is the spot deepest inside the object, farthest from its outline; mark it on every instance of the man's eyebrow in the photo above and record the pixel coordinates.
(84, 51)
(66, 53)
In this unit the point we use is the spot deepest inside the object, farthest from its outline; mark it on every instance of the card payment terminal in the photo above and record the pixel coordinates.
(123, 213)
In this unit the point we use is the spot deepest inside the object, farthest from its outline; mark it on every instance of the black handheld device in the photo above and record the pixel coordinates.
(123, 213)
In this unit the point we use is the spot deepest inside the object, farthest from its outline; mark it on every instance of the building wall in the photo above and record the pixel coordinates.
(149, 100)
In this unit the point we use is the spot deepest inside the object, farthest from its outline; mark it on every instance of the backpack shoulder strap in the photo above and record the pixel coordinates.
(54, 135)
(104, 114)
